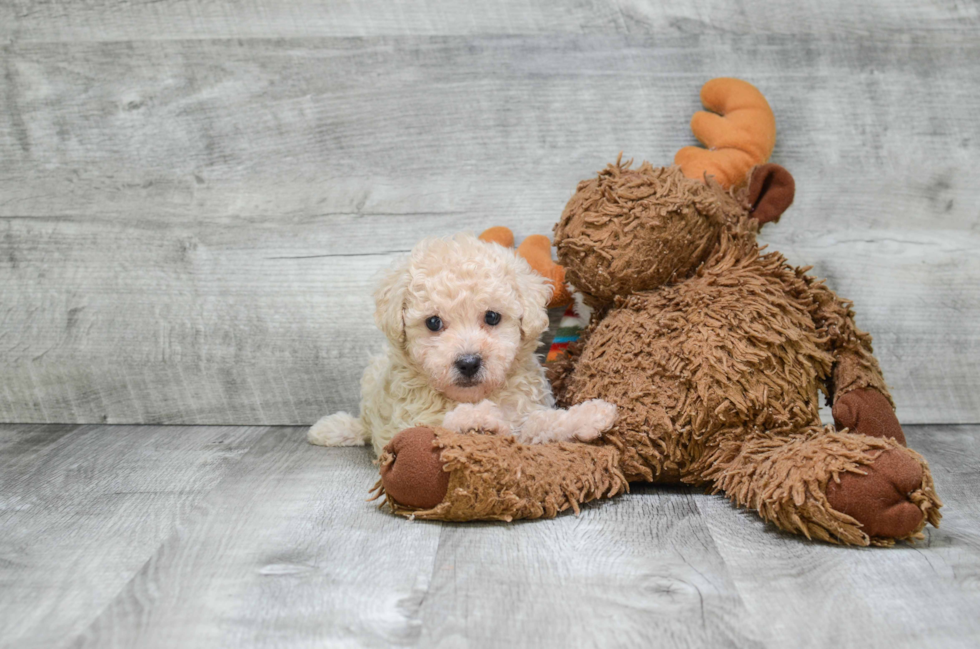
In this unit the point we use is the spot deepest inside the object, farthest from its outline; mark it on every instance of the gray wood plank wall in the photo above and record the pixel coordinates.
(194, 198)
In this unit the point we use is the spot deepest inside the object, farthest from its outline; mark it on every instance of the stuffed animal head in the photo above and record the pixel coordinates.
(630, 230)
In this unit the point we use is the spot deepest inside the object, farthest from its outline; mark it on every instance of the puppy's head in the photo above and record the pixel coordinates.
(463, 311)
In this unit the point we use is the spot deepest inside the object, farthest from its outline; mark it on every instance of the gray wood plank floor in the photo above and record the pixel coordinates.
(195, 197)
(213, 537)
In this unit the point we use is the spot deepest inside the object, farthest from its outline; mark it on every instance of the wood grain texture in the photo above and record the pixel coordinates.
(641, 570)
(31, 20)
(83, 508)
(285, 552)
(204, 537)
(189, 228)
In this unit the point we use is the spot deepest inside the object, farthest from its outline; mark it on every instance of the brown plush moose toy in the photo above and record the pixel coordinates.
(713, 351)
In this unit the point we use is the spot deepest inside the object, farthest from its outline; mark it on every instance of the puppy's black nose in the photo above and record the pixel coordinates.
(469, 365)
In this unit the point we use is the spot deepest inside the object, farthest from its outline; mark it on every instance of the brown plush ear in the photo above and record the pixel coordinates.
(771, 190)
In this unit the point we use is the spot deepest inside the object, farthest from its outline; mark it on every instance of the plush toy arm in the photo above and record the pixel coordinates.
(437, 474)
(855, 366)
(855, 388)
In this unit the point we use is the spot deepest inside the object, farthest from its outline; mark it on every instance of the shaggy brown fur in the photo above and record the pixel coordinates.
(500, 479)
(715, 353)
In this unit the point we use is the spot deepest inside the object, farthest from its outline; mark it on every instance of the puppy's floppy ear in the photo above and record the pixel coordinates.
(389, 303)
(533, 292)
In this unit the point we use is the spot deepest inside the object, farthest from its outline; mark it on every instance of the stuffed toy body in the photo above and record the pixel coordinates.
(714, 352)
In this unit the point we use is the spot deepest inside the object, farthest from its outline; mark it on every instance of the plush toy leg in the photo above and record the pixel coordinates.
(436, 474)
(838, 487)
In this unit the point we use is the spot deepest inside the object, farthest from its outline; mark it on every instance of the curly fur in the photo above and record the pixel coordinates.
(459, 279)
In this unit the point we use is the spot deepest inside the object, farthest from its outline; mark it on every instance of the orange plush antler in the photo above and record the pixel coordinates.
(536, 251)
(740, 133)
(498, 234)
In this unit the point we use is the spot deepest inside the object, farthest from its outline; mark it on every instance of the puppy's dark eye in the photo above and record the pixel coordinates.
(492, 318)
(434, 323)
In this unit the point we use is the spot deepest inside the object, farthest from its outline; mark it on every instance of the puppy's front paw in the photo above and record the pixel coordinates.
(593, 418)
(484, 417)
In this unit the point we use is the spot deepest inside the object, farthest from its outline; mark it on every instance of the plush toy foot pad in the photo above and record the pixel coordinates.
(868, 412)
(412, 471)
(880, 500)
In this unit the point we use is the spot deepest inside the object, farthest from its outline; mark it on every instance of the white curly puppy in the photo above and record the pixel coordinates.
(462, 318)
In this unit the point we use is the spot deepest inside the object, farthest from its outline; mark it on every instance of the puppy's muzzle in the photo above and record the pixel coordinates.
(468, 365)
